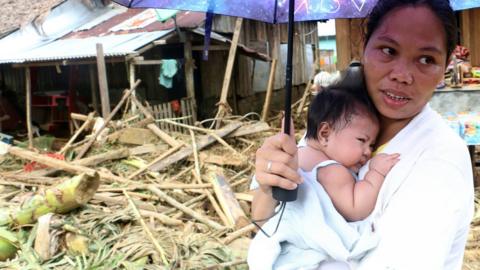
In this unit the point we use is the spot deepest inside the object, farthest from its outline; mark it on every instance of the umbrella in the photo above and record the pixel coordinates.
(271, 11)
(278, 11)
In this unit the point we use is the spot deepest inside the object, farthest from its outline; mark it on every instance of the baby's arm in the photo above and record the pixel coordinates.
(356, 200)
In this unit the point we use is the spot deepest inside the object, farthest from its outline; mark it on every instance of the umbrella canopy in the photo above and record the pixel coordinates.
(276, 11)
(271, 11)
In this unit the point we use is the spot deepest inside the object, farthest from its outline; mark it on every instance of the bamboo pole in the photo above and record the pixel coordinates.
(236, 234)
(223, 107)
(153, 162)
(63, 165)
(268, 95)
(97, 159)
(187, 151)
(77, 133)
(132, 83)
(154, 241)
(305, 95)
(87, 146)
(197, 174)
(102, 81)
(185, 209)
(28, 99)
(62, 198)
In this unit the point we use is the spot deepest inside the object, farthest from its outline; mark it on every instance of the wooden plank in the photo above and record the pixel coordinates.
(220, 159)
(147, 148)
(342, 27)
(223, 105)
(78, 116)
(167, 115)
(250, 129)
(147, 62)
(211, 48)
(28, 100)
(227, 200)
(268, 95)
(189, 64)
(102, 81)
(203, 142)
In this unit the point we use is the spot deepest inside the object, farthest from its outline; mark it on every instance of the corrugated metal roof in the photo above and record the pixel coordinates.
(184, 19)
(114, 45)
(61, 20)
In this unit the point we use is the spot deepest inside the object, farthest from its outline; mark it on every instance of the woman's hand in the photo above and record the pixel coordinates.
(276, 163)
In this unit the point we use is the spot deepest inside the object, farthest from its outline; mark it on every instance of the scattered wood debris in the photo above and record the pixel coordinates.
(163, 200)
(144, 198)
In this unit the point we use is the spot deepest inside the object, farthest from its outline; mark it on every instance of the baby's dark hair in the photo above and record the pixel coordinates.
(339, 102)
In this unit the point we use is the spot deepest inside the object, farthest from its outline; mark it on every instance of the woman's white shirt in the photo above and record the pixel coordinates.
(425, 206)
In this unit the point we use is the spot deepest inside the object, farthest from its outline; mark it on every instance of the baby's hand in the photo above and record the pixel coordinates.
(383, 163)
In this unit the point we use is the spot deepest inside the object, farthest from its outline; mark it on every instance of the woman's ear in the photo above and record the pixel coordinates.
(324, 131)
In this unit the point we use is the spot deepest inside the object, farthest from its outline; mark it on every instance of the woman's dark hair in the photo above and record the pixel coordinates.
(338, 103)
(441, 8)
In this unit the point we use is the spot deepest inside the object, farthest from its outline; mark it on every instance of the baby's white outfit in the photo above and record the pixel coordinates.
(311, 231)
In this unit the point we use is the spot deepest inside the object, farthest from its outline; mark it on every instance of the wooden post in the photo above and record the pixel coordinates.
(132, 83)
(349, 41)
(102, 81)
(189, 80)
(343, 43)
(223, 104)
(268, 95)
(28, 108)
(93, 87)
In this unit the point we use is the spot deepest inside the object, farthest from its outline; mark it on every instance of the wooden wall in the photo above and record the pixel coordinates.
(350, 37)
(349, 41)
(269, 39)
(470, 33)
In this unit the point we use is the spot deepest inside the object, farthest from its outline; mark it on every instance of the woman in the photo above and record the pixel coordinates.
(425, 205)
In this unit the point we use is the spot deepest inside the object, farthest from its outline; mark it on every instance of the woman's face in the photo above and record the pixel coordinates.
(404, 60)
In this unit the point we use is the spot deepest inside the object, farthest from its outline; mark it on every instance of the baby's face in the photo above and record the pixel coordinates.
(352, 145)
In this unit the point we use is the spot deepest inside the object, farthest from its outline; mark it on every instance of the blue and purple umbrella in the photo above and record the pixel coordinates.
(276, 11)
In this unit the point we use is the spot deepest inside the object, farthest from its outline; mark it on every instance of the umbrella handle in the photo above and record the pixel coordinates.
(280, 194)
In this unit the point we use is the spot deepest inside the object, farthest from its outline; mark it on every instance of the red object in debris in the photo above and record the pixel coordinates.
(32, 166)
(176, 107)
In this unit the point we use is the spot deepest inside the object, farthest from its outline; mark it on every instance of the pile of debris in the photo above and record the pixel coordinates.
(129, 195)
(125, 194)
